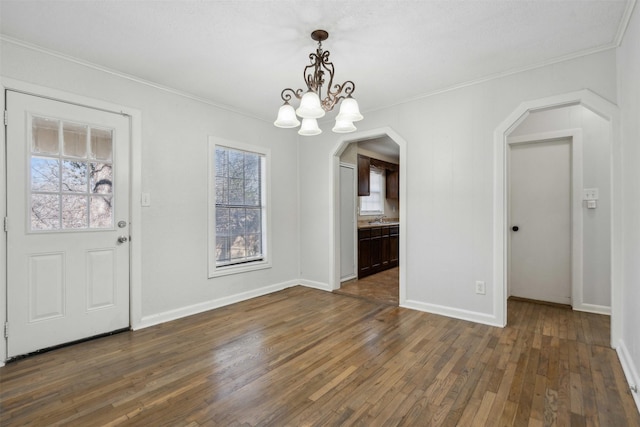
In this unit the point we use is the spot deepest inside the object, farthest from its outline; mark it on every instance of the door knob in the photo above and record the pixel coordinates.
(122, 239)
(515, 228)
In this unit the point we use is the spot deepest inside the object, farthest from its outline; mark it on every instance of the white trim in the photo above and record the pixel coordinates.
(609, 112)
(456, 313)
(126, 76)
(215, 271)
(315, 285)
(624, 22)
(630, 371)
(334, 202)
(355, 223)
(593, 308)
(178, 313)
(577, 285)
(135, 179)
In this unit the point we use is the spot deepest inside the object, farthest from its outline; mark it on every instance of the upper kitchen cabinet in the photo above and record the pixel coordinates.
(393, 184)
(364, 168)
(392, 176)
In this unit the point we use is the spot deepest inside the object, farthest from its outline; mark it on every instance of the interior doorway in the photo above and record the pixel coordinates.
(375, 243)
(595, 270)
(540, 221)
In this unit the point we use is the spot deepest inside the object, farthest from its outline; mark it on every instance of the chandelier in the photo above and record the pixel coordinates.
(313, 103)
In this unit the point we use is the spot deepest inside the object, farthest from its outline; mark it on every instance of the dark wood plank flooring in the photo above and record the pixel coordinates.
(382, 287)
(307, 357)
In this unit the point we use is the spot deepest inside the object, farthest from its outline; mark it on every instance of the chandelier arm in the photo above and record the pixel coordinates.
(340, 92)
(286, 96)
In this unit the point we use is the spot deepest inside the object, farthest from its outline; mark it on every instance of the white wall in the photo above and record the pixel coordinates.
(449, 202)
(596, 173)
(629, 93)
(174, 170)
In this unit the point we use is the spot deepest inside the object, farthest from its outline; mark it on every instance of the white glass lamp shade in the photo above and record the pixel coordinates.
(343, 126)
(310, 107)
(309, 127)
(349, 110)
(286, 117)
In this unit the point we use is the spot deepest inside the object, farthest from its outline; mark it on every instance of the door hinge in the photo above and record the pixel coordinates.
(6, 223)
(6, 117)
(6, 329)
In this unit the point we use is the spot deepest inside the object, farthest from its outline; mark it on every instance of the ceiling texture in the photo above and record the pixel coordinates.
(241, 54)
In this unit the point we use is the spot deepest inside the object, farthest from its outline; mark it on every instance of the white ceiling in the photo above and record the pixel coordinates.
(241, 54)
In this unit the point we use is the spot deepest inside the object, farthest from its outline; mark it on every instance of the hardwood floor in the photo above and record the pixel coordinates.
(382, 287)
(307, 357)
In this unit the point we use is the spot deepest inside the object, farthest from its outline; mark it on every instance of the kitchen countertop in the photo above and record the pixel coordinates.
(366, 224)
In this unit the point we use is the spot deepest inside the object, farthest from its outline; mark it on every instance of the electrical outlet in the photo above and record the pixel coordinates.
(480, 288)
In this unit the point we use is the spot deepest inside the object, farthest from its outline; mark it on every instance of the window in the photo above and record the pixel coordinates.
(373, 204)
(70, 176)
(237, 210)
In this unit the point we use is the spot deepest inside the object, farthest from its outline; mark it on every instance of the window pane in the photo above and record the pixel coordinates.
(101, 178)
(101, 212)
(238, 246)
(222, 164)
(222, 249)
(222, 191)
(101, 144)
(45, 212)
(254, 245)
(45, 174)
(236, 191)
(251, 166)
(222, 222)
(45, 135)
(253, 221)
(236, 220)
(236, 164)
(252, 193)
(74, 212)
(74, 176)
(75, 140)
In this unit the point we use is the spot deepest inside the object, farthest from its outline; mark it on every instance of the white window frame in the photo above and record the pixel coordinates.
(382, 193)
(214, 270)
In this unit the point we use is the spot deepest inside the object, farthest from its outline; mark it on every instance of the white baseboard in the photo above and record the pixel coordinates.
(593, 308)
(630, 371)
(178, 313)
(315, 285)
(456, 313)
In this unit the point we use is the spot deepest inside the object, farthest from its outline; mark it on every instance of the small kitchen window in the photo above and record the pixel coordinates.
(373, 204)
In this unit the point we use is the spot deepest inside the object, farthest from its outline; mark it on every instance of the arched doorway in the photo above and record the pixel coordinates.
(340, 147)
(608, 112)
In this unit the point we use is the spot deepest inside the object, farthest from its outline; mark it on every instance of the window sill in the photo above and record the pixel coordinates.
(241, 268)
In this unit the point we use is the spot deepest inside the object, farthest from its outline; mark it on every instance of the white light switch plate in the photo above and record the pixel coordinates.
(146, 199)
(590, 194)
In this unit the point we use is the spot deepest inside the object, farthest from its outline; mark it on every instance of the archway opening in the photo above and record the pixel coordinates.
(386, 147)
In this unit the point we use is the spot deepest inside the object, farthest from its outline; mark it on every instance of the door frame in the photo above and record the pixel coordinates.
(334, 204)
(608, 111)
(355, 222)
(575, 141)
(135, 186)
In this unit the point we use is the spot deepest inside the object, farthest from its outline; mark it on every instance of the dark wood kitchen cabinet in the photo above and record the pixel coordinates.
(378, 249)
(393, 184)
(364, 169)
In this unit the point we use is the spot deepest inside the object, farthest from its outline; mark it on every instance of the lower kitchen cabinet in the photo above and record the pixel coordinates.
(378, 249)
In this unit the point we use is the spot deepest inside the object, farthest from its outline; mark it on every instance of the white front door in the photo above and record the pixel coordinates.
(347, 223)
(540, 221)
(68, 222)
